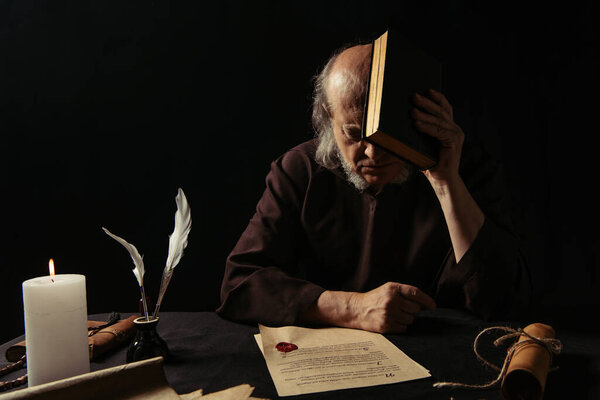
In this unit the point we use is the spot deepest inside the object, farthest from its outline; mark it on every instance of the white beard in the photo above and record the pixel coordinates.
(360, 183)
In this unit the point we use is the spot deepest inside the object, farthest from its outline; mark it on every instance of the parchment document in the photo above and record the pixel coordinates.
(332, 359)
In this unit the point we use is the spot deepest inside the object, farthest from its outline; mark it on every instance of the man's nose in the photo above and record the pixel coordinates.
(372, 151)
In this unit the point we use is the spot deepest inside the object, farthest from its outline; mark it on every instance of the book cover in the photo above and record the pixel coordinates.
(398, 70)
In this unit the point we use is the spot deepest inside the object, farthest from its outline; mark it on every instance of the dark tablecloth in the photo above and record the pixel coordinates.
(210, 353)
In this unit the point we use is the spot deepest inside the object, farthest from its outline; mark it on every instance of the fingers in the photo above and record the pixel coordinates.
(446, 131)
(391, 307)
(433, 116)
(407, 298)
(400, 317)
(407, 306)
(447, 136)
(403, 316)
(440, 99)
(412, 294)
(435, 104)
(432, 120)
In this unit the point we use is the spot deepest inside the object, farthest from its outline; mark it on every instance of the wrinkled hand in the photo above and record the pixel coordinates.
(390, 308)
(433, 115)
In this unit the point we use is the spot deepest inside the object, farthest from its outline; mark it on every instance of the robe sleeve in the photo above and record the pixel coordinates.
(262, 281)
(492, 278)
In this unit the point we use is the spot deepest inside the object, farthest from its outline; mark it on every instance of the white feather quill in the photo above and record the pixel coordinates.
(138, 271)
(177, 244)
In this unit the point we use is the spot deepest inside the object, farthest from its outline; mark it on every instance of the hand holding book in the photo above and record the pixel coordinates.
(430, 140)
(433, 116)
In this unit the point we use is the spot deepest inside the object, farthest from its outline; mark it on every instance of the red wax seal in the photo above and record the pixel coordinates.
(285, 347)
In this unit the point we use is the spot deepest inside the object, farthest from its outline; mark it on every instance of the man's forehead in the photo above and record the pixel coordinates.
(348, 76)
(354, 58)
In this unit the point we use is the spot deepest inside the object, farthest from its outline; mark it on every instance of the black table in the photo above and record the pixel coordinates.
(211, 353)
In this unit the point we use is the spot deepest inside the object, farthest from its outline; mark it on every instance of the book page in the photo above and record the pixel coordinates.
(380, 79)
(373, 85)
(303, 360)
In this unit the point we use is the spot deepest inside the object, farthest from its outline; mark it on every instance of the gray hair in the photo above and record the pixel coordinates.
(327, 150)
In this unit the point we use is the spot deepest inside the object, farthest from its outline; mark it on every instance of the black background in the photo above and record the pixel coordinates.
(107, 107)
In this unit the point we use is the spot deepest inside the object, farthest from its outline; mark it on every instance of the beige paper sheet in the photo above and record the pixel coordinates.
(332, 359)
(240, 392)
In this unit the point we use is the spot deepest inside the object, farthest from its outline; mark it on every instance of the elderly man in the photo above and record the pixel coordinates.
(347, 235)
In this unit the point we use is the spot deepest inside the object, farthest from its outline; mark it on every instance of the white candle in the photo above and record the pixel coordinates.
(55, 327)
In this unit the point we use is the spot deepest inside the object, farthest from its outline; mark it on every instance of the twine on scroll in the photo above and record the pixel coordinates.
(554, 346)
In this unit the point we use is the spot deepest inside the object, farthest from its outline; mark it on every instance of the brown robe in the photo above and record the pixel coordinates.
(313, 231)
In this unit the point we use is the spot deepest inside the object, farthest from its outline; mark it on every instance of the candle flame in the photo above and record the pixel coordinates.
(51, 267)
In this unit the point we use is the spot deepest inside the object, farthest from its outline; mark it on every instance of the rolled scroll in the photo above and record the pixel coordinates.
(526, 374)
(100, 341)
